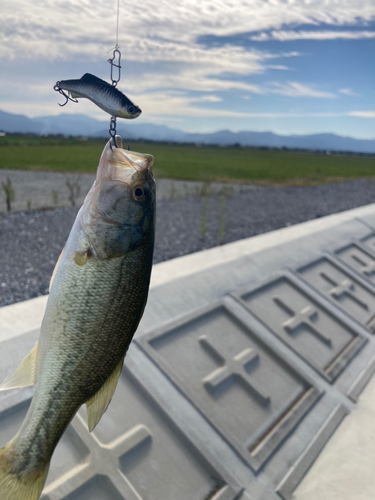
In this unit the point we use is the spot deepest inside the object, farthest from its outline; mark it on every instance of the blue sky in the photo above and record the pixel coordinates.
(287, 66)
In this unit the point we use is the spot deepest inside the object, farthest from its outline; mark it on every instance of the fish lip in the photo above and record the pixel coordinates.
(125, 159)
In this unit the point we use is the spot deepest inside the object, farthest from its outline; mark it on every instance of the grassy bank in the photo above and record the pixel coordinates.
(187, 161)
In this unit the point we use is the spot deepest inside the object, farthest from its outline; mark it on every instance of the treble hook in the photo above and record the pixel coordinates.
(67, 97)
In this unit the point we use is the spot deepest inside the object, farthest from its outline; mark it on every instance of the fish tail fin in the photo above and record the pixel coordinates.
(19, 486)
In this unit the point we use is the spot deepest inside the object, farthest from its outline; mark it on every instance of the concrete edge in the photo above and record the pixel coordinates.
(22, 317)
(200, 261)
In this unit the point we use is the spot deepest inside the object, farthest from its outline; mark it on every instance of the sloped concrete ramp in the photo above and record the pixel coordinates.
(243, 382)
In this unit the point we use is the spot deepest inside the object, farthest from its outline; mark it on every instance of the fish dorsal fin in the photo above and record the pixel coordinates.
(88, 77)
(56, 267)
(98, 404)
(25, 374)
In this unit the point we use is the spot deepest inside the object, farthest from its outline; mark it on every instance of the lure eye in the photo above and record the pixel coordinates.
(138, 193)
(131, 109)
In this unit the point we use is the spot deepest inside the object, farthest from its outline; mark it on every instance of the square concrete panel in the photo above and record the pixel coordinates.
(137, 453)
(161, 462)
(251, 396)
(342, 288)
(304, 324)
(359, 258)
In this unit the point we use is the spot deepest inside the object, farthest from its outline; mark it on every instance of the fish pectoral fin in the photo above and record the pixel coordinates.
(25, 374)
(98, 404)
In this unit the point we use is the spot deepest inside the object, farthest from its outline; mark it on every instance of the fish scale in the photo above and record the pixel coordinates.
(97, 298)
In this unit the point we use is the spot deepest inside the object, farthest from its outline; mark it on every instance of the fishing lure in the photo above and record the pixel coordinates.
(101, 93)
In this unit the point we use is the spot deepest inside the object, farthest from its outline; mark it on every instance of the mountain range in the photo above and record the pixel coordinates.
(82, 125)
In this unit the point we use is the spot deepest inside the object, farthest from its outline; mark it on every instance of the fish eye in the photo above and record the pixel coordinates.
(131, 109)
(138, 193)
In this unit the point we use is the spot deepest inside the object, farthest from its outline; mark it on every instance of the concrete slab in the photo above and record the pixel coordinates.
(243, 372)
(342, 287)
(228, 373)
(345, 468)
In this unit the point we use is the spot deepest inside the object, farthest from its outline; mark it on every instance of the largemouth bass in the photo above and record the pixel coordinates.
(97, 296)
(101, 93)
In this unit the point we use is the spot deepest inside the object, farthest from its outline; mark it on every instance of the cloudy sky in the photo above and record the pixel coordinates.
(289, 66)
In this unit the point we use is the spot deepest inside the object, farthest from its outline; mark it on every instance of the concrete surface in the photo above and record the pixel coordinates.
(21, 317)
(243, 382)
(34, 189)
(345, 468)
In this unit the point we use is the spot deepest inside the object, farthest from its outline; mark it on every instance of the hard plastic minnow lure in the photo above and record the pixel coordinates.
(101, 93)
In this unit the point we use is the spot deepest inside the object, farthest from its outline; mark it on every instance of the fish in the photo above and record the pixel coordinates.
(101, 93)
(97, 296)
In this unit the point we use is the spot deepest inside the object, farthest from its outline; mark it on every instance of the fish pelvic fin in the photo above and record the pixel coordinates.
(98, 404)
(18, 486)
(25, 375)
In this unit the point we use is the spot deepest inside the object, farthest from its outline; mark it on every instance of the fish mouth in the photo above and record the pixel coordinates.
(125, 159)
(122, 165)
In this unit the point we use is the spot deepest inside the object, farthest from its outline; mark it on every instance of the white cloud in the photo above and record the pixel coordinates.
(348, 91)
(84, 28)
(284, 36)
(362, 114)
(280, 67)
(160, 41)
(296, 89)
(179, 104)
(208, 98)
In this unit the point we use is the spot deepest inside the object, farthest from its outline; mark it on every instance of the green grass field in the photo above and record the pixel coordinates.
(187, 162)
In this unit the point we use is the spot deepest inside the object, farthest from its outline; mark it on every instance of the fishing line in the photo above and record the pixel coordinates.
(114, 80)
(118, 15)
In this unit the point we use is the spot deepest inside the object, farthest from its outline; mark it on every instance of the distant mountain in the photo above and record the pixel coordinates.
(83, 125)
(18, 123)
(315, 141)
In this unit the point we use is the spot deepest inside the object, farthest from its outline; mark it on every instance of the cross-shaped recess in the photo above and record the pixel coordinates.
(305, 317)
(346, 287)
(368, 267)
(103, 461)
(234, 368)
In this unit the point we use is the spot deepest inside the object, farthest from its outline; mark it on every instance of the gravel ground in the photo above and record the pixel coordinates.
(30, 242)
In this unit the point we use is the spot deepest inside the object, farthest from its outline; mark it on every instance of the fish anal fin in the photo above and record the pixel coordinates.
(25, 375)
(56, 267)
(98, 404)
